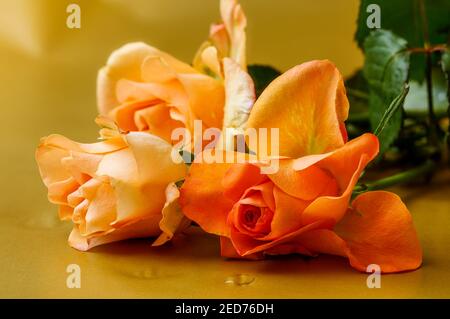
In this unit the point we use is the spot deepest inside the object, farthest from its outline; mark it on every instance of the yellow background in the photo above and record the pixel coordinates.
(47, 85)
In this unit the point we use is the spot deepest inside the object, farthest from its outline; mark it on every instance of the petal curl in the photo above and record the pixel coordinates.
(140, 175)
(295, 215)
(240, 96)
(202, 197)
(138, 229)
(377, 229)
(126, 63)
(206, 97)
(308, 105)
(173, 219)
(235, 22)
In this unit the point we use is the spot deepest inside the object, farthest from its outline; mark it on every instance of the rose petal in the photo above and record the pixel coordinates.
(157, 120)
(235, 23)
(239, 177)
(173, 219)
(306, 184)
(378, 229)
(202, 197)
(308, 104)
(125, 63)
(138, 229)
(140, 175)
(227, 250)
(206, 98)
(240, 96)
(345, 165)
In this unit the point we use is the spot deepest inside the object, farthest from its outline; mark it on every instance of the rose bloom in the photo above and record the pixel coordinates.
(122, 187)
(144, 89)
(304, 207)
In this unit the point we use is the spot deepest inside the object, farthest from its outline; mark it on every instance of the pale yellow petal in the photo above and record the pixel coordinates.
(173, 219)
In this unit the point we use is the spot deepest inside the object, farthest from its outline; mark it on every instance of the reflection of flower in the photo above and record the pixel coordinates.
(112, 190)
(304, 207)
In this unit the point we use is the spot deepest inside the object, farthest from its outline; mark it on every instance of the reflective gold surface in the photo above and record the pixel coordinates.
(48, 76)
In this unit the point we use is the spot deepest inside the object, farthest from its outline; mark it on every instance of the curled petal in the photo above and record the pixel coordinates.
(238, 178)
(227, 250)
(173, 219)
(345, 165)
(138, 229)
(206, 98)
(207, 60)
(377, 229)
(126, 63)
(295, 215)
(308, 105)
(202, 197)
(234, 22)
(140, 175)
(240, 96)
(228, 39)
(54, 148)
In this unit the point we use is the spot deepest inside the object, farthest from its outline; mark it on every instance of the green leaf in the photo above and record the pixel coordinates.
(404, 18)
(393, 108)
(386, 70)
(262, 75)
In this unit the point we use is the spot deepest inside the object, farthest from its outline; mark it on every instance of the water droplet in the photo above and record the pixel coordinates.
(45, 221)
(147, 273)
(240, 280)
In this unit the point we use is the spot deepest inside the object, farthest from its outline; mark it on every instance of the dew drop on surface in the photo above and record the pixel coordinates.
(44, 221)
(240, 280)
(147, 273)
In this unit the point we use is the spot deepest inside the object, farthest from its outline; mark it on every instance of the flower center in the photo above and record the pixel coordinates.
(251, 216)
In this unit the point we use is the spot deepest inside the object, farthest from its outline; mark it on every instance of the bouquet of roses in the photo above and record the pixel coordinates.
(269, 172)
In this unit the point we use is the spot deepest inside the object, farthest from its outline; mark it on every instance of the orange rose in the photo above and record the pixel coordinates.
(304, 206)
(122, 187)
(144, 89)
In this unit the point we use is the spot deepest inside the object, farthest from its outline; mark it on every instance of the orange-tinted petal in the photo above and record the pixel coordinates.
(126, 63)
(246, 245)
(227, 250)
(308, 104)
(139, 229)
(345, 165)
(238, 178)
(202, 197)
(378, 229)
(206, 98)
(123, 115)
(140, 175)
(306, 184)
(157, 120)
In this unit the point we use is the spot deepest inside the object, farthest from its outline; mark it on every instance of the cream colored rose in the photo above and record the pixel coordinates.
(112, 190)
